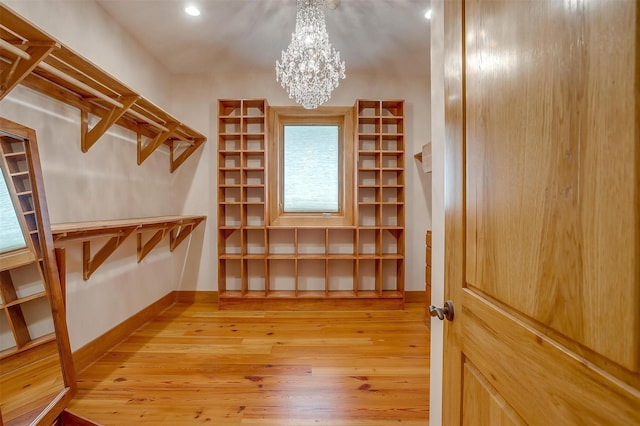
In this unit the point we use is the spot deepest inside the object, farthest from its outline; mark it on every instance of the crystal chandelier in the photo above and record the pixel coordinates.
(310, 68)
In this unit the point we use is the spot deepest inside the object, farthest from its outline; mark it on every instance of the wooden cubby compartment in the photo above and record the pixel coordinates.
(23, 295)
(241, 195)
(264, 266)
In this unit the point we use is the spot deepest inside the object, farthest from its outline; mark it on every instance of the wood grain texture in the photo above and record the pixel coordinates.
(539, 376)
(552, 166)
(68, 418)
(542, 222)
(454, 210)
(482, 405)
(195, 364)
(29, 380)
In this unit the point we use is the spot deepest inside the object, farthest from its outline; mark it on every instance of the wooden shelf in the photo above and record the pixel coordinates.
(117, 231)
(51, 337)
(30, 57)
(306, 267)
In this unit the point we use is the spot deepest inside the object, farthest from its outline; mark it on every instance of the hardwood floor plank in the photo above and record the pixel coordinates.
(194, 365)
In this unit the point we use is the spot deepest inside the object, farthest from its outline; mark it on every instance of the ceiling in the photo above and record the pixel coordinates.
(386, 37)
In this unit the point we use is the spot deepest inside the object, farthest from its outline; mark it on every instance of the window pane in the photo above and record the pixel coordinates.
(311, 168)
(11, 237)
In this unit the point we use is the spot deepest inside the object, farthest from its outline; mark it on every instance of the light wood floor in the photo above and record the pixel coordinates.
(194, 365)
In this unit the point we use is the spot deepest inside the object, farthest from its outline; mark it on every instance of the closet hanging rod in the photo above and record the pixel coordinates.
(51, 70)
(48, 68)
(15, 50)
(147, 120)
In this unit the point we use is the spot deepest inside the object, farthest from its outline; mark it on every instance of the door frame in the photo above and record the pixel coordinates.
(454, 205)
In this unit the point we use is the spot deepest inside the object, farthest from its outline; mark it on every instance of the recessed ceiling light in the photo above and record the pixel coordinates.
(191, 10)
(428, 14)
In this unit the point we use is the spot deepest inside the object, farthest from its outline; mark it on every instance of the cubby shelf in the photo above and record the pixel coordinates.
(30, 57)
(304, 267)
(14, 306)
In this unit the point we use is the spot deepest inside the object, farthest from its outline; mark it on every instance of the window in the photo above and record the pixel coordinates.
(311, 173)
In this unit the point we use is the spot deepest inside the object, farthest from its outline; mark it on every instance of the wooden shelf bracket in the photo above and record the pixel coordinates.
(178, 227)
(177, 159)
(89, 265)
(90, 137)
(145, 248)
(181, 231)
(144, 151)
(26, 61)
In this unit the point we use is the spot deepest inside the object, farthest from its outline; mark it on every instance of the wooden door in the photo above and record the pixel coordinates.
(542, 207)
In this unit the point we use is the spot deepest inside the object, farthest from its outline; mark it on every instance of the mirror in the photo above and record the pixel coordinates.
(36, 369)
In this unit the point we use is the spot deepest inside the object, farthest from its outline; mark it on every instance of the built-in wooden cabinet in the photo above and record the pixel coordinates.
(22, 280)
(297, 267)
(381, 192)
(242, 225)
(36, 369)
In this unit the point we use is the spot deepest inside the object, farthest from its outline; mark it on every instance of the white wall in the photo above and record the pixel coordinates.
(197, 97)
(106, 182)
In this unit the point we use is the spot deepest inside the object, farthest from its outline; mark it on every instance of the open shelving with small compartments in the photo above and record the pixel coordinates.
(23, 291)
(301, 267)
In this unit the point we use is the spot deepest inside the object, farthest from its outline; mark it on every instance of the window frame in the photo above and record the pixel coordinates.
(281, 116)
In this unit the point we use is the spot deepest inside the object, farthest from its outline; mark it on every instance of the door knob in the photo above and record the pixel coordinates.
(445, 312)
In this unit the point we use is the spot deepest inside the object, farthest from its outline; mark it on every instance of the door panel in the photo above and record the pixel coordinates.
(550, 168)
(482, 404)
(537, 376)
(542, 181)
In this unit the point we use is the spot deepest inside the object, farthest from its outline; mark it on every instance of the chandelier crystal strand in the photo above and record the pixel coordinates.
(310, 68)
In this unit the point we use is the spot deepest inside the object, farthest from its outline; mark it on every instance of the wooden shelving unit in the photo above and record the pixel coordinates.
(242, 231)
(37, 376)
(381, 193)
(149, 231)
(304, 267)
(22, 289)
(30, 57)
